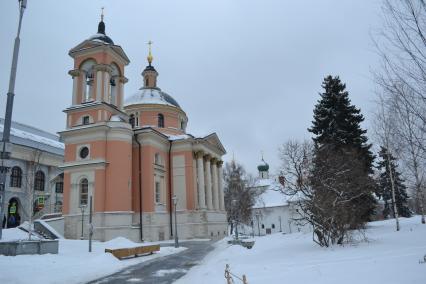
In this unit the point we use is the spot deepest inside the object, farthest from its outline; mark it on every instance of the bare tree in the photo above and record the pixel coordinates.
(34, 165)
(324, 197)
(402, 80)
(402, 47)
(239, 194)
(385, 130)
(412, 152)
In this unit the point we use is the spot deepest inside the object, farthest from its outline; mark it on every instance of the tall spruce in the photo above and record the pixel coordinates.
(338, 123)
(384, 190)
(337, 129)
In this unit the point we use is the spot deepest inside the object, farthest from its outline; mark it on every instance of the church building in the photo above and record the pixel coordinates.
(133, 156)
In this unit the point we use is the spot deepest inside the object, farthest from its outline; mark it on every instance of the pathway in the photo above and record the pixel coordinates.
(162, 270)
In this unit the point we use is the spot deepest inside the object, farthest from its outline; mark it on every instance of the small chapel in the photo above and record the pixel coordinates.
(131, 155)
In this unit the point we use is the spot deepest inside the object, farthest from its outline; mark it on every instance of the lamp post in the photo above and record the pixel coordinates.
(5, 143)
(175, 199)
(82, 208)
(234, 205)
(258, 225)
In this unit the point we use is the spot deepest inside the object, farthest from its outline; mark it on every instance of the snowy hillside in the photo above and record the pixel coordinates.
(388, 257)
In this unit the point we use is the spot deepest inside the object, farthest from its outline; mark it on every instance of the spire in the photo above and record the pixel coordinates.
(101, 26)
(150, 57)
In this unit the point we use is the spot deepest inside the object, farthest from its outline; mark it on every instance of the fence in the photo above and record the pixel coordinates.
(229, 276)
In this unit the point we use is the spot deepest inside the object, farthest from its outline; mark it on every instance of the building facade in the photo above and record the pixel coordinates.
(273, 211)
(34, 183)
(133, 156)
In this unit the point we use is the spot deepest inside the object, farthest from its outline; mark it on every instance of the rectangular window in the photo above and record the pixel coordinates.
(157, 192)
(59, 187)
(86, 120)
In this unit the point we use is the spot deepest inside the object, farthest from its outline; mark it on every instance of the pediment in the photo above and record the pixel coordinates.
(214, 140)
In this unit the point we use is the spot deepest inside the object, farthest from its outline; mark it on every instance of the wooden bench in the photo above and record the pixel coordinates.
(135, 251)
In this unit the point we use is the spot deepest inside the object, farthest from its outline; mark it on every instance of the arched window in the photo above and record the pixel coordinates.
(16, 177)
(263, 226)
(115, 73)
(88, 87)
(84, 191)
(160, 120)
(146, 82)
(132, 120)
(39, 181)
(273, 226)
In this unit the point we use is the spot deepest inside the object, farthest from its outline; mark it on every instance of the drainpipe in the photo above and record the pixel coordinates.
(170, 187)
(140, 187)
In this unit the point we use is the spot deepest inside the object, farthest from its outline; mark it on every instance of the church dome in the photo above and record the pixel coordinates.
(264, 167)
(100, 36)
(151, 96)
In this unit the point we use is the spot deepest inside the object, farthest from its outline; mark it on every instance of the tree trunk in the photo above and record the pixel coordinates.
(395, 211)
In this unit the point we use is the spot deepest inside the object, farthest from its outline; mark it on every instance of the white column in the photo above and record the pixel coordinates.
(220, 187)
(74, 89)
(215, 185)
(208, 179)
(200, 178)
(99, 79)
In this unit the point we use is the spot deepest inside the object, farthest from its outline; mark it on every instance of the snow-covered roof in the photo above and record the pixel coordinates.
(271, 195)
(179, 137)
(25, 135)
(151, 96)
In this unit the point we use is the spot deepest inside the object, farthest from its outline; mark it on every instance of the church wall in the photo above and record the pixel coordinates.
(183, 179)
(66, 194)
(135, 177)
(151, 118)
(118, 182)
(99, 201)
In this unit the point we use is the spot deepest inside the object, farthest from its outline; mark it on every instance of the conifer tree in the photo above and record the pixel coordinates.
(385, 188)
(342, 164)
(338, 123)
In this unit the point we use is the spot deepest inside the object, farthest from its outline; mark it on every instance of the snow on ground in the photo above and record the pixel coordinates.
(73, 263)
(387, 257)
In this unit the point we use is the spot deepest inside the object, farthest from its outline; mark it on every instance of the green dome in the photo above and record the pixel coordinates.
(263, 168)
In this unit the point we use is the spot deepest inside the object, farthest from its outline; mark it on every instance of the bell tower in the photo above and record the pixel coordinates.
(98, 138)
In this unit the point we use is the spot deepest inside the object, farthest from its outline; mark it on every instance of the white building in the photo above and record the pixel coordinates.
(33, 174)
(274, 212)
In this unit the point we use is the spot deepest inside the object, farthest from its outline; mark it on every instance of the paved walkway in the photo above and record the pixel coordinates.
(161, 270)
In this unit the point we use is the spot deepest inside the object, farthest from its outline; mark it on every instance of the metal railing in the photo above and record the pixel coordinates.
(229, 276)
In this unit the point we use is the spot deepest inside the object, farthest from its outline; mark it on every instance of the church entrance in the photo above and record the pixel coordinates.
(13, 215)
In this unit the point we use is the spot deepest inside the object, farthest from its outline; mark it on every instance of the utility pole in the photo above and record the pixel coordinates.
(5, 149)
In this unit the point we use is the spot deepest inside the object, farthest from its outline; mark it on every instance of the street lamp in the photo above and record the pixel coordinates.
(82, 208)
(5, 143)
(258, 224)
(234, 204)
(175, 199)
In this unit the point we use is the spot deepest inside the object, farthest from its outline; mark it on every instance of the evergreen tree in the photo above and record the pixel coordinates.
(338, 123)
(385, 187)
(338, 132)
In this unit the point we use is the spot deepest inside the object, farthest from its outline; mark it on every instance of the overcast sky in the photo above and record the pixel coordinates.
(248, 70)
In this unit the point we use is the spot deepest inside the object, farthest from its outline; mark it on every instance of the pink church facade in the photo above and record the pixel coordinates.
(133, 155)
